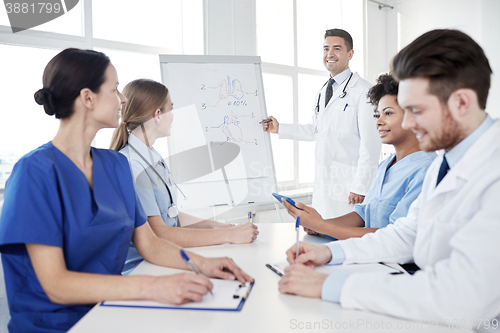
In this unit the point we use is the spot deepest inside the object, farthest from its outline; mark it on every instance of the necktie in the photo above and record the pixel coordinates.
(443, 169)
(329, 91)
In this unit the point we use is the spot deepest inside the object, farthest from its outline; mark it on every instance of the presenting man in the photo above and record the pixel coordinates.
(347, 142)
(452, 229)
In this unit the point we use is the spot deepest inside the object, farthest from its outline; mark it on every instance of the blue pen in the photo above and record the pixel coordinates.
(297, 224)
(345, 107)
(191, 265)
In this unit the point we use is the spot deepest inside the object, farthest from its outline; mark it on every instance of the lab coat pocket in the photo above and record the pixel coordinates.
(344, 119)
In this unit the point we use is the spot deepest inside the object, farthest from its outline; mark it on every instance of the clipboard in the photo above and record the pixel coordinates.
(228, 296)
(279, 268)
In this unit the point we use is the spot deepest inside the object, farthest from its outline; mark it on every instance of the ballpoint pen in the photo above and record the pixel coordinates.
(297, 224)
(191, 265)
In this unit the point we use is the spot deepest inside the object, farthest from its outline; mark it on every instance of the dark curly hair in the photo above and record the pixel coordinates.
(386, 85)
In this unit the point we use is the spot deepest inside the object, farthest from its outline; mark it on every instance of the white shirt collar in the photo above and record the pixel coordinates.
(341, 77)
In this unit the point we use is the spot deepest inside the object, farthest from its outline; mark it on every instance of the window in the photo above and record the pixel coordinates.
(25, 126)
(132, 36)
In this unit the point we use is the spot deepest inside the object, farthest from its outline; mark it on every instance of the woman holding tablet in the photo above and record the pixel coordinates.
(70, 212)
(397, 181)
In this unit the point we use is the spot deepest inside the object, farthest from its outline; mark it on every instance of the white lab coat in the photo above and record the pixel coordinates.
(347, 146)
(452, 232)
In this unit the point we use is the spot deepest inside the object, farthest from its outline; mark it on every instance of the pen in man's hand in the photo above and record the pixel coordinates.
(265, 121)
(297, 224)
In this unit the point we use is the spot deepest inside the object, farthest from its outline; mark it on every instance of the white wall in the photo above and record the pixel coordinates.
(230, 27)
(396, 28)
(491, 31)
(377, 39)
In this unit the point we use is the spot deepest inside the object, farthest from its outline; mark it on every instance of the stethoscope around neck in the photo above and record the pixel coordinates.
(342, 95)
(172, 211)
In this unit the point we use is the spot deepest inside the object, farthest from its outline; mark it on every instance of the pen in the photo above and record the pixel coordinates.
(265, 121)
(297, 224)
(345, 107)
(274, 269)
(191, 265)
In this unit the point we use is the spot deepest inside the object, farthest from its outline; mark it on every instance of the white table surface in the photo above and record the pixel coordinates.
(266, 310)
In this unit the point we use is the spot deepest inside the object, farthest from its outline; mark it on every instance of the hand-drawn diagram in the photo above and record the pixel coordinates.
(228, 105)
(219, 106)
(228, 88)
(232, 129)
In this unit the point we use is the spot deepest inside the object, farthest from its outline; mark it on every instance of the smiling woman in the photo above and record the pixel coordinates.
(396, 183)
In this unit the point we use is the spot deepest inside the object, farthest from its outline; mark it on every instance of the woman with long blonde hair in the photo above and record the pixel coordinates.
(147, 116)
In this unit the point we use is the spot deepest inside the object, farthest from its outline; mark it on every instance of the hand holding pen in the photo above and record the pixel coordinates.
(309, 254)
(191, 265)
(221, 268)
(270, 124)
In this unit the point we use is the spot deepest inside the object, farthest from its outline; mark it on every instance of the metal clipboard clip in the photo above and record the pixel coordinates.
(243, 290)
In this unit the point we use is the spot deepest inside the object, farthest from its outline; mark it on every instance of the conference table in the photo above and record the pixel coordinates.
(265, 310)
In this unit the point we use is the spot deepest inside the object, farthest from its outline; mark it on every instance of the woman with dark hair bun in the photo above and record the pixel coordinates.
(70, 212)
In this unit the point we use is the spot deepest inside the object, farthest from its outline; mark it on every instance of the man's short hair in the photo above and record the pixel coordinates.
(386, 85)
(450, 59)
(340, 33)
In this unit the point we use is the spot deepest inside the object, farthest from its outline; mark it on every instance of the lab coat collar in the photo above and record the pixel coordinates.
(141, 147)
(471, 161)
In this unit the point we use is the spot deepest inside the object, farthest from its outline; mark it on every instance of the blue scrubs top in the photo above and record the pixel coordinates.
(393, 189)
(49, 201)
(151, 191)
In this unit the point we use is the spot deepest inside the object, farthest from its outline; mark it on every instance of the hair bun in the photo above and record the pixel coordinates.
(44, 97)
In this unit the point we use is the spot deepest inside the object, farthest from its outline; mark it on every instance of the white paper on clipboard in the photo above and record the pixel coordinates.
(223, 299)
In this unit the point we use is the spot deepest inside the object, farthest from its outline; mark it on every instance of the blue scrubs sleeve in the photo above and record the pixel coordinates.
(411, 194)
(140, 215)
(360, 210)
(32, 211)
(144, 189)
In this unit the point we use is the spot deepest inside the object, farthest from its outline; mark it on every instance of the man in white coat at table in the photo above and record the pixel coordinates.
(452, 229)
(347, 142)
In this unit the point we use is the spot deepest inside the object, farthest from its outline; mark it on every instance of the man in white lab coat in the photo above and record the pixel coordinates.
(452, 230)
(347, 142)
